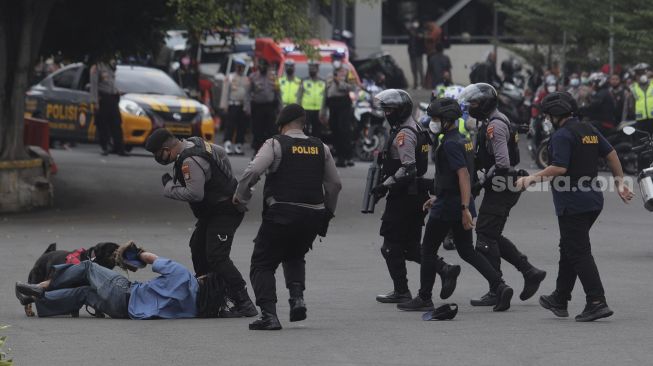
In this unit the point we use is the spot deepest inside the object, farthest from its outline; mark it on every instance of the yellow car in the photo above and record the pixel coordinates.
(149, 99)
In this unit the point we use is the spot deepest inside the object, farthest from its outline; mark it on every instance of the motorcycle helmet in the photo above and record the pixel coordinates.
(479, 99)
(641, 67)
(559, 104)
(453, 91)
(396, 104)
(598, 78)
(447, 109)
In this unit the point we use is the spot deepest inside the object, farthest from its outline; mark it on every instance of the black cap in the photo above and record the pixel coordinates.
(157, 139)
(290, 113)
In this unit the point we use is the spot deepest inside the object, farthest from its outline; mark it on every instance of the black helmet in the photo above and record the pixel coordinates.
(446, 109)
(559, 104)
(480, 100)
(399, 102)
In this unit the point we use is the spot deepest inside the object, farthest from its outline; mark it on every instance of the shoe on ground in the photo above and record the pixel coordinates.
(416, 304)
(30, 290)
(504, 295)
(238, 149)
(122, 153)
(24, 299)
(444, 312)
(341, 164)
(394, 297)
(297, 309)
(532, 280)
(243, 305)
(449, 278)
(105, 153)
(350, 163)
(557, 307)
(594, 311)
(489, 299)
(267, 321)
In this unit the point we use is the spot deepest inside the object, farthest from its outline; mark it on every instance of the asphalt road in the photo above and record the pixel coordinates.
(117, 199)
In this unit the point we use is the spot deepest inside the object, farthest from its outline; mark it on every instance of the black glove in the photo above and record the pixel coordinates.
(166, 178)
(476, 188)
(379, 192)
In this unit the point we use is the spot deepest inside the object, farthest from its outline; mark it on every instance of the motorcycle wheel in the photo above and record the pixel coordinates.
(542, 156)
(367, 145)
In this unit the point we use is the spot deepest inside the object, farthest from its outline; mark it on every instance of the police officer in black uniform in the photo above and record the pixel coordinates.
(574, 149)
(300, 197)
(497, 154)
(404, 163)
(203, 178)
(452, 209)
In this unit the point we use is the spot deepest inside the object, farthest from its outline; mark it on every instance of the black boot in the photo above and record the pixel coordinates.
(555, 304)
(416, 304)
(489, 299)
(243, 304)
(267, 321)
(297, 309)
(24, 299)
(449, 276)
(504, 295)
(594, 310)
(394, 297)
(532, 279)
(30, 290)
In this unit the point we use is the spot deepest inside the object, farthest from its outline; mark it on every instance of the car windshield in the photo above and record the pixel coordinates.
(301, 70)
(146, 81)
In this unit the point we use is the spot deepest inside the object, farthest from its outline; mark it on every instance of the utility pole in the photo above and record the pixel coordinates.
(611, 44)
(495, 28)
(564, 57)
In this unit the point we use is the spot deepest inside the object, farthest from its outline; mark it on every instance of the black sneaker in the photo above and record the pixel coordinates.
(297, 309)
(532, 279)
(449, 276)
(489, 299)
(267, 321)
(30, 290)
(394, 297)
(557, 307)
(504, 295)
(350, 163)
(341, 164)
(416, 304)
(594, 311)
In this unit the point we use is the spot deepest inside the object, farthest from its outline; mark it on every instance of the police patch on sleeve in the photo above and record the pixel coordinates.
(185, 170)
(401, 137)
(490, 132)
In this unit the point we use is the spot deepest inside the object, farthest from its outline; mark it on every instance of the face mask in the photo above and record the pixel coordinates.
(435, 127)
(337, 64)
(643, 79)
(159, 158)
(574, 82)
(551, 88)
(584, 80)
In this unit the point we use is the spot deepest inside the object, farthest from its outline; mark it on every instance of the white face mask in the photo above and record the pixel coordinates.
(643, 79)
(435, 127)
(551, 88)
(574, 82)
(337, 64)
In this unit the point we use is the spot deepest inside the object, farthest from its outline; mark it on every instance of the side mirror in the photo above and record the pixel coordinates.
(629, 130)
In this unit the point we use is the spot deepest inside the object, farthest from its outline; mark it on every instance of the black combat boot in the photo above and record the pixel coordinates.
(243, 304)
(297, 309)
(22, 298)
(594, 310)
(416, 304)
(449, 275)
(532, 279)
(267, 321)
(30, 290)
(489, 299)
(504, 295)
(394, 297)
(554, 303)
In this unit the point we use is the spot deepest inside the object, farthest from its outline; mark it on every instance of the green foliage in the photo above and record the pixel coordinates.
(3, 355)
(587, 23)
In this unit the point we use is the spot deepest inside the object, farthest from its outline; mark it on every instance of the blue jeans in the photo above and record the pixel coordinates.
(87, 283)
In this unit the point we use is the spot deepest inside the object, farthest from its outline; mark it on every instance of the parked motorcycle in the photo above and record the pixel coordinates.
(539, 132)
(370, 131)
(645, 177)
(511, 103)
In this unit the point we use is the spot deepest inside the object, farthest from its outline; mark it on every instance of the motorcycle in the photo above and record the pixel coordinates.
(645, 177)
(370, 131)
(539, 132)
(511, 103)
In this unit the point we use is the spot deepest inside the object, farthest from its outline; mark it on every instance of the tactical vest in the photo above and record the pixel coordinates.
(445, 178)
(289, 89)
(313, 94)
(222, 183)
(299, 177)
(584, 153)
(485, 160)
(390, 166)
(643, 102)
(460, 123)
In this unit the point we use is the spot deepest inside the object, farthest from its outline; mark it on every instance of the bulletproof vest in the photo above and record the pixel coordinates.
(485, 160)
(445, 178)
(222, 183)
(584, 153)
(390, 165)
(300, 174)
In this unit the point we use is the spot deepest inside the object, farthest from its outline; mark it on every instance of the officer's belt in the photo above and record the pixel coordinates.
(271, 201)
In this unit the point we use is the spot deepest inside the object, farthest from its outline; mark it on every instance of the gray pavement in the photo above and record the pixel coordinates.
(117, 199)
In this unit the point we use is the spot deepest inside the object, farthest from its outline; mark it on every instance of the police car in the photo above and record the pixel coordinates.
(149, 99)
